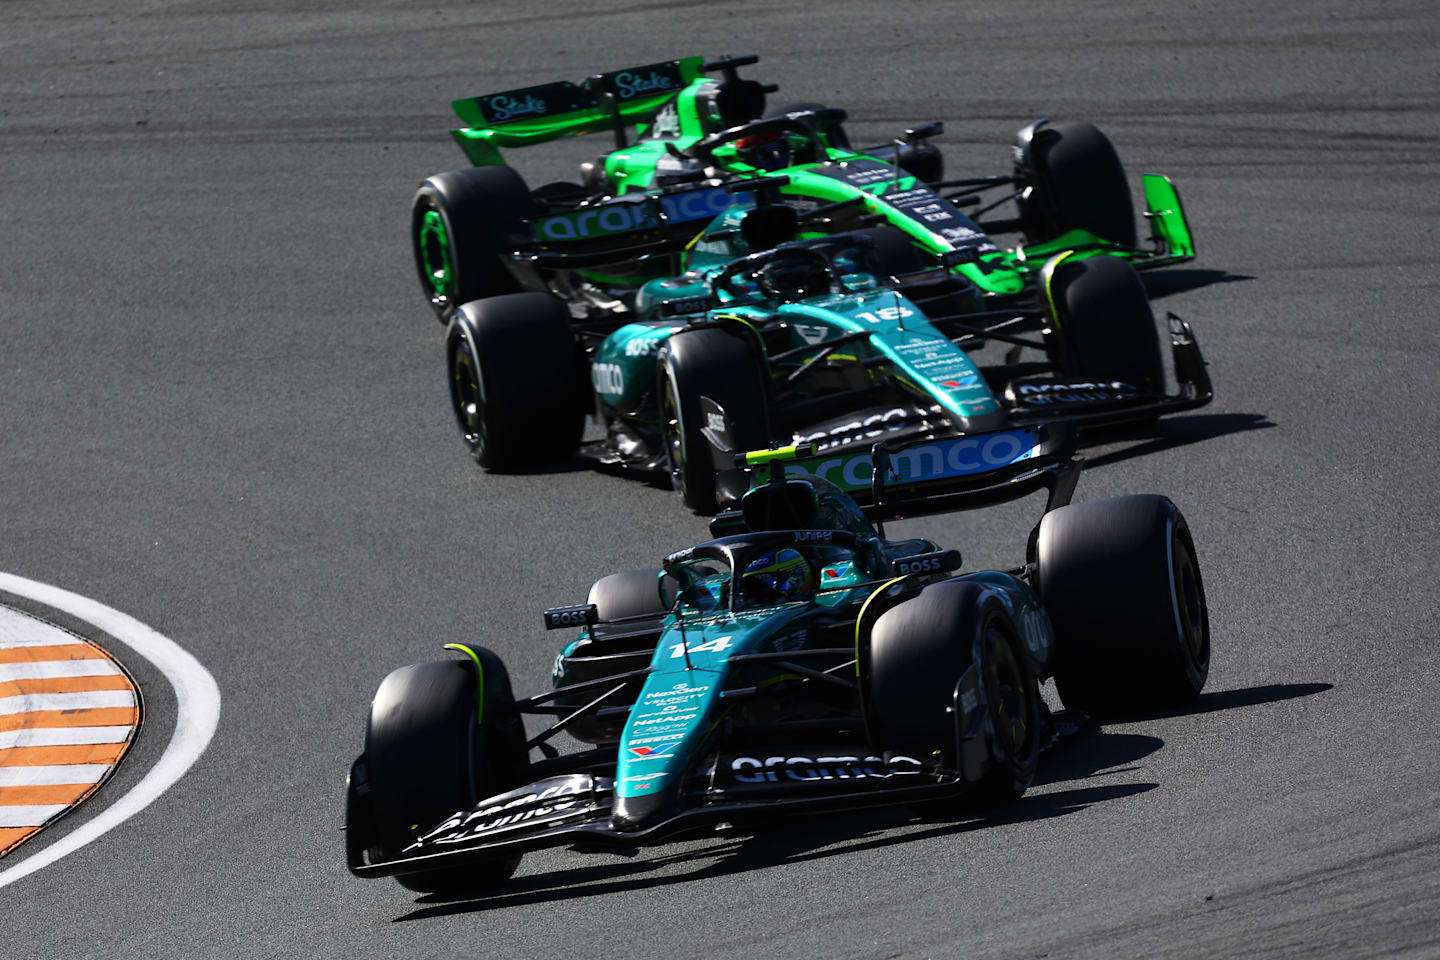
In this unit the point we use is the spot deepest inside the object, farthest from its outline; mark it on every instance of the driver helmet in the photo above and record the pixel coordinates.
(767, 151)
(785, 571)
(796, 278)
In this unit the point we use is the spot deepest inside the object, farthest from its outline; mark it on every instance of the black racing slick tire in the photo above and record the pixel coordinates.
(921, 648)
(723, 365)
(459, 225)
(630, 594)
(1121, 583)
(515, 380)
(438, 741)
(1076, 182)
(1104, 325)
(608, 649)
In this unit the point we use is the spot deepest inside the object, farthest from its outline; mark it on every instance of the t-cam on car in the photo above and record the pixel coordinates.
(798, 662)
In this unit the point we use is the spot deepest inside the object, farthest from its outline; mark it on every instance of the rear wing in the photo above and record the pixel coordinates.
(899, 479)
(549, 111)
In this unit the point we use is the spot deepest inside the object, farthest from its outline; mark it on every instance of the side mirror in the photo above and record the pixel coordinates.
(924, 132)
(581, 615)
(943, 562)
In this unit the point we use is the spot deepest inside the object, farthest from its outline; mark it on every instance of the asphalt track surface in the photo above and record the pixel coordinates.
(223, 413)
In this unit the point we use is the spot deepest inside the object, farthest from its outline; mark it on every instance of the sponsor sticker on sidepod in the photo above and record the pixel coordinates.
(956, 457)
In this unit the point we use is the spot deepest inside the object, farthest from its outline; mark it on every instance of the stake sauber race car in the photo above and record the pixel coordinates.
(628, 294)
(799, 662)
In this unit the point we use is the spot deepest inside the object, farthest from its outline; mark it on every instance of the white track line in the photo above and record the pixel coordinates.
(89, 700)
(53, 775)
(197, 712)
(50, 669)
(62, 736)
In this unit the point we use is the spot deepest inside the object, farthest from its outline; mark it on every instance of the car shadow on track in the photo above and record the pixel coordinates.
(1166, 434)
(796, 842)
(1164, 283)
(1235, 699)
(813, 838)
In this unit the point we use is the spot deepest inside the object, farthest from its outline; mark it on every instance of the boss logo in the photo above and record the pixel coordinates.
(927, 563)
(579, 616)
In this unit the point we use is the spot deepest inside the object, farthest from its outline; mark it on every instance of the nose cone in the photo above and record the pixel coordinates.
(636, 813)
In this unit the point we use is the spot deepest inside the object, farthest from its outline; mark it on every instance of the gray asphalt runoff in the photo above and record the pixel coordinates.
(223, 411)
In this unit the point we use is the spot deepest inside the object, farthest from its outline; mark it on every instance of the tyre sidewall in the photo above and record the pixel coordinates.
(722, 365)
(529, 378)
(1106, 325)
(1106, 572)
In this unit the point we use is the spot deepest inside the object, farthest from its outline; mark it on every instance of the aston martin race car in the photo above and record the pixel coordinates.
(629, 294)
(798, 662)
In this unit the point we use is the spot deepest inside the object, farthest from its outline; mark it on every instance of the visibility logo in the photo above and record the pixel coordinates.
(652, 753)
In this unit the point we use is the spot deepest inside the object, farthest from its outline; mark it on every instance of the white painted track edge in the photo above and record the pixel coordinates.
(197, 714)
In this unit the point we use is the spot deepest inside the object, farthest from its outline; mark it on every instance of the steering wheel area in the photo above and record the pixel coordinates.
(786, 274)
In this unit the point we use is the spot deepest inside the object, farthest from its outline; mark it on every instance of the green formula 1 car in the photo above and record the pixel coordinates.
(572, 298)
(799, 662)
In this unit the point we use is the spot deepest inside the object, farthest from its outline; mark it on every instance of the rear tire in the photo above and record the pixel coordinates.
(1076, 183)
(459, 222)
(515, 380)
(426, 757)
(918, 652)
(1105, 325)
(1121, 583)
(628, 594)
(722, 365)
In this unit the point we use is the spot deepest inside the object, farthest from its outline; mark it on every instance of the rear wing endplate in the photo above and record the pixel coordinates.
(549, 111)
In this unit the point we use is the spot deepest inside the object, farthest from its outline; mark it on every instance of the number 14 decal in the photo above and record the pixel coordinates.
(678, 650)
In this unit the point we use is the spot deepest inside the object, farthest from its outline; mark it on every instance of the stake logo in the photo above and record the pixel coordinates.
(508, 108)
(628, 85)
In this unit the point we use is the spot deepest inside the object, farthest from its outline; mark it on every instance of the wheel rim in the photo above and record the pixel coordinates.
(437, 273)
(674, 430)
(469, 400)
(1010, 697)
(1190, 605)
